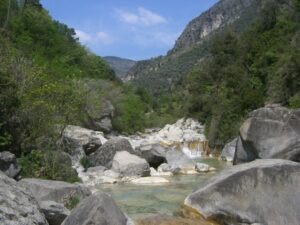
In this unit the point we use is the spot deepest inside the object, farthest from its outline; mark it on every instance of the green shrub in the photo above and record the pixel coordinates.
(52, 165)
(72, 202)
(85, 162)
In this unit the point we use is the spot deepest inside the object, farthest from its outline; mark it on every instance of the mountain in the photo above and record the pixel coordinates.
(234, 58)
(162, 73)
(120, 65)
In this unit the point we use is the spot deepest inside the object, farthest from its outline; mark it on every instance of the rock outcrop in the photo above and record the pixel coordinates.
(18, 207)
(104, 155)
(58, 191)
(9, 164)
(99, 118)
(157, 74)
(263, 192)
(98, 209)
(79, 142)
(269, 132)
(228, 151)
(130, 165)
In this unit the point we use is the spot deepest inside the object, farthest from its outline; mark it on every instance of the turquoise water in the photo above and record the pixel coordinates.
(139, 201)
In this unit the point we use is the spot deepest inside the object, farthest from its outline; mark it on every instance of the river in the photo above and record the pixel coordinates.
(140, 201)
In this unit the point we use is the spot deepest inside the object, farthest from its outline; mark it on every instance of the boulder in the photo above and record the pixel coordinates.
(78, 141)
(202, 167)
(166, 168)
(269, 132)
(177, 158)
(264, 191)
(54, 212)
(184, 130)
(98, 209)
(58, 191)
(105, 154)
(9, 164)
(229, 150)
(99, 118)
(154, 153)
(18, 207)
(130, 165)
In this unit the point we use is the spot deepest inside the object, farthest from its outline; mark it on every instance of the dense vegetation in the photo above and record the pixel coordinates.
(243, 72)
(47, 81)
(238, 68)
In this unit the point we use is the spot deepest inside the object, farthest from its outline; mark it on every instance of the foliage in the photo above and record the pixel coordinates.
(72, 202)
(85, 162)
(246, 71)
(48, 165)
(129, 114)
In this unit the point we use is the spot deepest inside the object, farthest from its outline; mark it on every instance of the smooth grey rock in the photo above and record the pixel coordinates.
(130, 165)
(174, 169)
(228, 151)
(269, 132)
(58, 191)
(9, 164)
(54, 212)
(178, 158)
(98, 209)
(104, 155)
(17, 206)
(264, 191)
(79, 142)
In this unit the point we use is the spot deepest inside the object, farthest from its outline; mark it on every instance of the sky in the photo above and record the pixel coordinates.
(134, 29)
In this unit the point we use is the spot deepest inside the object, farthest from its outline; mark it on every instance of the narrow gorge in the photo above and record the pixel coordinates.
(207, 134)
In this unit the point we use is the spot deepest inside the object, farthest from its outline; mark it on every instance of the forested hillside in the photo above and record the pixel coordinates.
(244, 72)
(120, 65)
(47, 81)
(247, 61)
(161, 74)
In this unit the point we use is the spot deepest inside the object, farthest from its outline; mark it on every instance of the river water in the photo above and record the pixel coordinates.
(140, 201)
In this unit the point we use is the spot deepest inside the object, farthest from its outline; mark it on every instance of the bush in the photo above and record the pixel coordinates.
(72, 202)
(85, 162)
(52, 165)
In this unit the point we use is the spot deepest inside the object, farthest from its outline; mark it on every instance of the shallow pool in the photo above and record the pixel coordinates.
(139, 201)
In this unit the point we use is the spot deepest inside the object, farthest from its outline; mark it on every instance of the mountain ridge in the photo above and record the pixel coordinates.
(158, 75)
(120, 65)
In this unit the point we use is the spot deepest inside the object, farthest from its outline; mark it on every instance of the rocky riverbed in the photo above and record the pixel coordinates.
(155, 178)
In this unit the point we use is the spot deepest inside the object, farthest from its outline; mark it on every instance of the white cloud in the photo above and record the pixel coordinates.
(156, 39)
(92, 38)
(167, 39)
(83, 36)
(142, 17)
(105, 38)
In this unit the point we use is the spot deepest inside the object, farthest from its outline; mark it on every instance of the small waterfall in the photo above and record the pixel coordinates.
(191, 154)
(195, 149)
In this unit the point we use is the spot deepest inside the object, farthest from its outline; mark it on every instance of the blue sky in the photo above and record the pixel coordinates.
(135, 29)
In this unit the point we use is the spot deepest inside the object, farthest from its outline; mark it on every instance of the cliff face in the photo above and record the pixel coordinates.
(160, 74)
(220, 15)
